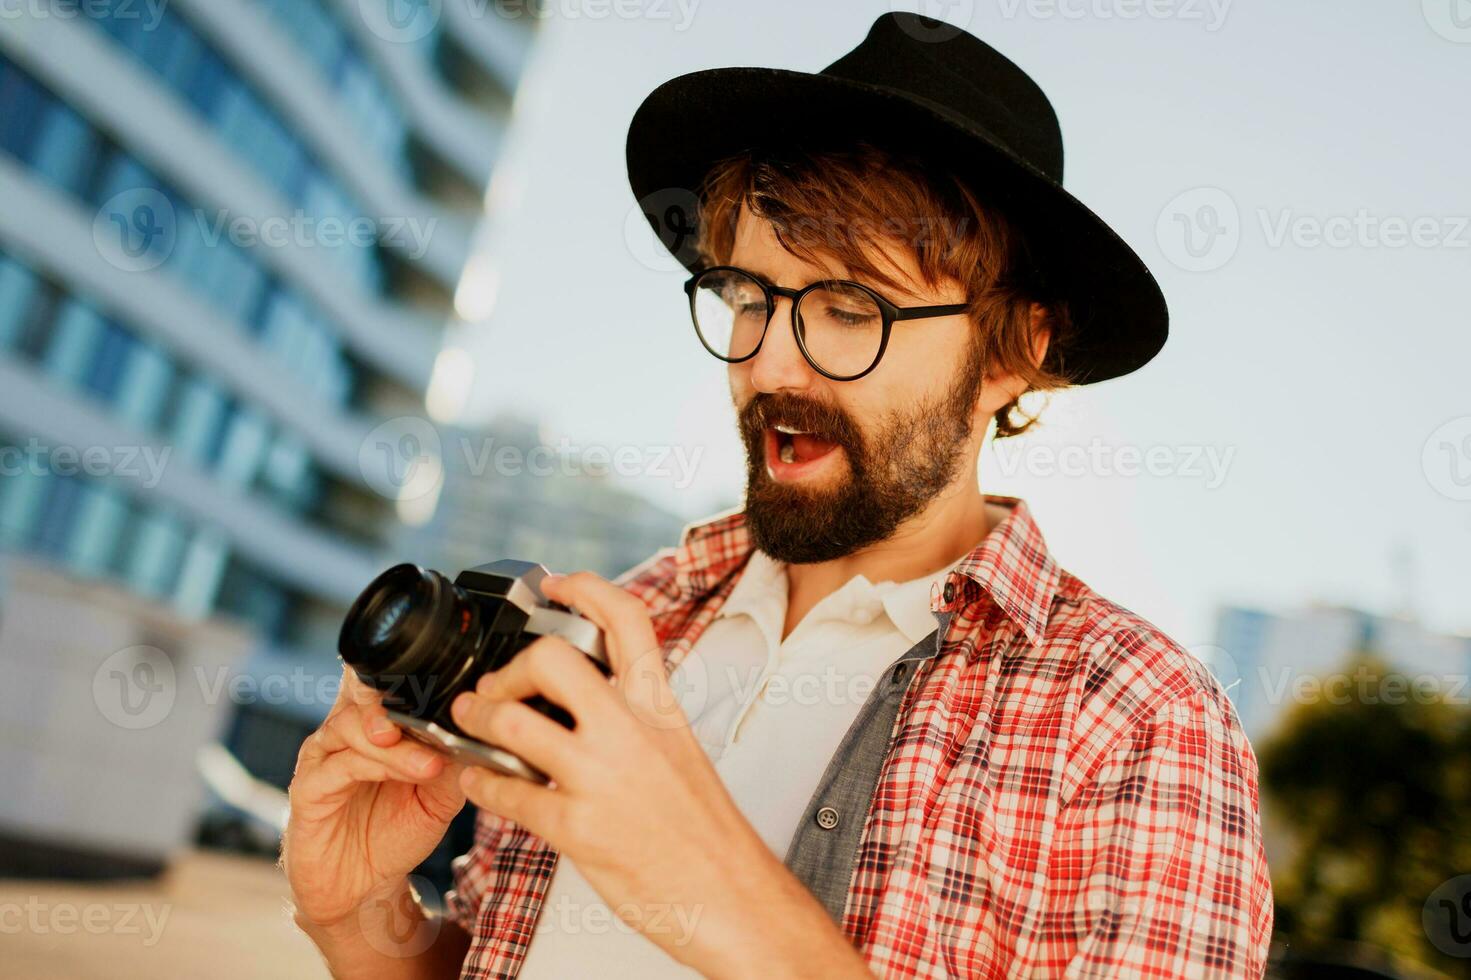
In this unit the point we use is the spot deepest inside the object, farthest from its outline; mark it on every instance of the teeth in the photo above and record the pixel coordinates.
(788, 453)
(788, 430)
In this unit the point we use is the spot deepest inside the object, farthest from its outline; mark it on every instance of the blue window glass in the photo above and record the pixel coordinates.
(24, 103)
(244, 448)
(20, 508)
(203, 569)
(199, 412)
(100, 517)
(208, 85)
(153, 565)
(74, 342)
(105, 373)
(190, 259)
(288, 473)
(64, 149)
(143, 386)
(33, 336)
(122, 173)
(179, 53)
(236, 282)
(58, 512)
(215, 448)
(18, 292)
(246, 594)
(129, 530)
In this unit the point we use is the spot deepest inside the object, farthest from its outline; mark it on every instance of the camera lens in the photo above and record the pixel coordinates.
(416, 636)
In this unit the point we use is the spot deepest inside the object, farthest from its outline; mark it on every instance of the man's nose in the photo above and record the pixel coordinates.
(779, 363)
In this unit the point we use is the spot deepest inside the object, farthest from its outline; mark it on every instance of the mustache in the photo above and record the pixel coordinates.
(779, 408)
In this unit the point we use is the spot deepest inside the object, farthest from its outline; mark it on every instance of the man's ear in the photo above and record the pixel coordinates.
(1009, 387)
(1041, 333)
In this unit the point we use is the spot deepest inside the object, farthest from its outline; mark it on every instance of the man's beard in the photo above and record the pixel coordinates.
(894, 471)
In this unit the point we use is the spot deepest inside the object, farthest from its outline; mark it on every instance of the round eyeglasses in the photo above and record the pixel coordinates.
(842, 327)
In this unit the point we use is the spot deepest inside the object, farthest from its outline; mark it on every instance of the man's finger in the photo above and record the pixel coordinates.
(533, 806)
(368, 701)
(556, 670)
(523, 730)
(408, 757)
(628, 632)
(336, 775)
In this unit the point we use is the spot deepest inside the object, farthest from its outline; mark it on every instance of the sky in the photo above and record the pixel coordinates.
(1293, 173)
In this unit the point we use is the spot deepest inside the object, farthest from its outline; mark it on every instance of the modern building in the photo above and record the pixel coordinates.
(509, 490)
(1268, 661)
(231, 233)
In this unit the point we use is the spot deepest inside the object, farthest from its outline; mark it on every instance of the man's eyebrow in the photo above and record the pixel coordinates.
(769, 281)
(760, 276)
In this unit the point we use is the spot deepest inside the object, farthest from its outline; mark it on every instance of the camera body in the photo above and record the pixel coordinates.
(421, 640)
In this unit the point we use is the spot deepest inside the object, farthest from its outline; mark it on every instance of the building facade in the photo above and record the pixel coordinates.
(231, 234)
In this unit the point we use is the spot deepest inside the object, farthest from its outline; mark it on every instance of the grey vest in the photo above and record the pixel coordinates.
(825, 848)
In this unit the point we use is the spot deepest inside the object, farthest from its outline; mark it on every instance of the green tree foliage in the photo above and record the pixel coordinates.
(1372, 776)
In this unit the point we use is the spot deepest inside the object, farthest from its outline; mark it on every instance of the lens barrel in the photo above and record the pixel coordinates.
(418, 638)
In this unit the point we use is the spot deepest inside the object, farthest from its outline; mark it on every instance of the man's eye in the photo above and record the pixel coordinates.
(849, 318)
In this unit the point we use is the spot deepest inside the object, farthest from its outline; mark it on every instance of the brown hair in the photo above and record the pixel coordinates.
(839, 203)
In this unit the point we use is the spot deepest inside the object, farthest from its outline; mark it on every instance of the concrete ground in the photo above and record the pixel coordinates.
(211, 915)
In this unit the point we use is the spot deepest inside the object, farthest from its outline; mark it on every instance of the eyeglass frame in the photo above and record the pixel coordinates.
(888, 312)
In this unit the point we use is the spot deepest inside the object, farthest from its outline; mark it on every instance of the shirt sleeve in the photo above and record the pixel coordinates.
(1167, 840)
(474, 872)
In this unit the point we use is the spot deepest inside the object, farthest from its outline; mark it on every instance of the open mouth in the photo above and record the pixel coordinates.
(791, 452)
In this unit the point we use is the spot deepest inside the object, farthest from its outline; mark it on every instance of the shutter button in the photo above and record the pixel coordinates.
(827, 818)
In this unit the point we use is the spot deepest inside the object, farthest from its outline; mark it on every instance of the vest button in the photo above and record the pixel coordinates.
(827, 818)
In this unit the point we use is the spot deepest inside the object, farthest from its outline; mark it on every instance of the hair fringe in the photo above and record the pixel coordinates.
(862, 195)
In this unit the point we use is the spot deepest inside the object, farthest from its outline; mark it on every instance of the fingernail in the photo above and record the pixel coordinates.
(553, 578)
(424, 761)
(382, 726)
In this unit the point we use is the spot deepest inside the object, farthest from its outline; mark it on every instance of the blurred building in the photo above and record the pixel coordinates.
(107, 698)
(510, 491)
(233, 230)
(1263, 658)
(230, 241)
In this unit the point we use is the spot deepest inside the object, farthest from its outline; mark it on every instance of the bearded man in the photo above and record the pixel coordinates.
(865, 724)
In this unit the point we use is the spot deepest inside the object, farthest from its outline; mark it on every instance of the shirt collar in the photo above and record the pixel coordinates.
(1011, 567)
(907, 604)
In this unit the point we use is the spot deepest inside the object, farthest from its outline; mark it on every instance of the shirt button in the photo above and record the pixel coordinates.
(949, 592)
(899, 671)
(827, 818)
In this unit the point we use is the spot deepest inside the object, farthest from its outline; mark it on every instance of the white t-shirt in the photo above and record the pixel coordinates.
(770, 714)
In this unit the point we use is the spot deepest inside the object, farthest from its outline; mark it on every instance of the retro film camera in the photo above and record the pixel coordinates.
(421, 640)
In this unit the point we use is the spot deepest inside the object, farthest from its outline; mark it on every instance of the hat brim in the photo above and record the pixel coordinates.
(690, 122)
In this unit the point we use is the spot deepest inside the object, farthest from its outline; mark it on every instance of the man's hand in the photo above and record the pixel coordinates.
(636, 804)
(367, 805)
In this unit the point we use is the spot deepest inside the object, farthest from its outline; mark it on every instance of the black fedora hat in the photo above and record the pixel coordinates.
(928, 88)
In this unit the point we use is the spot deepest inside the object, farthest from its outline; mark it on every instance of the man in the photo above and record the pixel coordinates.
(865, 724)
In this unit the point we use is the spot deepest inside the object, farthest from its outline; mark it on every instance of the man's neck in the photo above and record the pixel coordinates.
(949, 528)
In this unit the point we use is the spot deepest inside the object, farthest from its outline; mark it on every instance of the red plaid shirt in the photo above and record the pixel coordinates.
(1067, 792)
